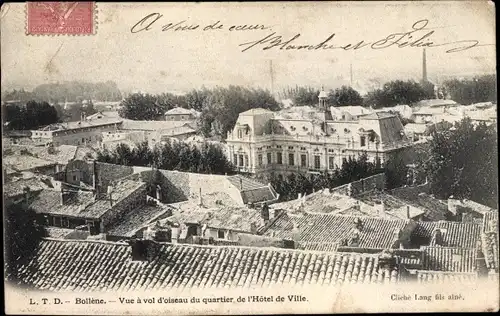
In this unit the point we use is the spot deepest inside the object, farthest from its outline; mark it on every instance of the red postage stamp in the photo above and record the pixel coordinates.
(60, 18)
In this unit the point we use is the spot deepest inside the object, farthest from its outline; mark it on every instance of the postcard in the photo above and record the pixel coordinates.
(249, 158)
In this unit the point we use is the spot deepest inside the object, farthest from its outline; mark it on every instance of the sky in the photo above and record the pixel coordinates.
(160, 61)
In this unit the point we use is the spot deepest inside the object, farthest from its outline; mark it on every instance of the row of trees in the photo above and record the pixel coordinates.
(219, 107)
(352, 170)
(463, 91)
(68, 91)
(207, 158)
(31, 116)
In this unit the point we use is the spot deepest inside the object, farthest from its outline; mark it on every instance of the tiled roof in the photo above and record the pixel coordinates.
(377, 116)
(451, 259)
(15, 188)
(251, 190)
(223, 217)
(436, 102)
(455, 234)
(60, 154)
(81, 124)
(176, 131)
(104, 266)
(134, 220)
(490, 221)
(25, 162)
(318, 246)
(256, 111)
(435, 209)
(82, 203)
(445, 277)
(376, 232)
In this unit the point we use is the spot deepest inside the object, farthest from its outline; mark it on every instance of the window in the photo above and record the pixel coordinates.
(90, 223)
(372, 137)
(303, 160)
(344, 160)
(331, 163)
(64, 222)
(74, 178)
(291, 159)
(279, 158)
(246, 160)
(241, 160)
(57, 221)
(278, 146)
(317, 162)
(290, 147)
(235, 159)
(259, 159)
(240, 134)
(46, 220)
(83, 140)
(363, 141)
(220, 234)
(302, 148)
(269, 160)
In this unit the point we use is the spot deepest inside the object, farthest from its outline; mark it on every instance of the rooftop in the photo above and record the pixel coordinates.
(451, 259)
(375, 233)
(81, 124)
(455, 234)
(92, 266)
(223, 217)
(131, 222)
(15, 188)
(179, 111)
(151, 125)
(436, 103)
(25, 162)
(256, 111)
(82, 203)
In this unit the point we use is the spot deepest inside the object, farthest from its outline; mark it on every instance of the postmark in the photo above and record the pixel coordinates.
(61, 18)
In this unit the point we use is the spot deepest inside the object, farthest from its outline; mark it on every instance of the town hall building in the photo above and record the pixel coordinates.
(311, 139)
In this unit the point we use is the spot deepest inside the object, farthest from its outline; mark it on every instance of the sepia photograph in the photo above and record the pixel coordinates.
(249, 157)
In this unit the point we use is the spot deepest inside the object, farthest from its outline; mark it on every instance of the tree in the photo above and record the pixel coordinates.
(32, 116)
(463, 163)
(305, 96)
(23, 234)
(468, 91)
(140, 106)
(208, 158)
(344, 96)
(398, 92)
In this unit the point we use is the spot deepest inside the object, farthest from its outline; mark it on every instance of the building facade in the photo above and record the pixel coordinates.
(265, 141)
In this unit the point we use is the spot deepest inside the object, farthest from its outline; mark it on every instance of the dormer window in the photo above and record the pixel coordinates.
(240, 134)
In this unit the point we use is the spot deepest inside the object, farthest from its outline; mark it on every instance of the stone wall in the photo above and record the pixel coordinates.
(364, 185)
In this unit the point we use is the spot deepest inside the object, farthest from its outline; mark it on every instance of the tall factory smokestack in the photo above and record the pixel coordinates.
(424, 67)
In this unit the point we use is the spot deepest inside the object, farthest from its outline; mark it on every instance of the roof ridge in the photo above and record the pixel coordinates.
(118, 243)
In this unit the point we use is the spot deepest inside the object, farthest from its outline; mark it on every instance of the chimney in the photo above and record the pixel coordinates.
(82, 116)
(382, 208)
(437, 237)
(349, 189)
(27, 194)
(358, 224)
(110, 195)
(253, 228)
(200, 199)
(158, 192)
(175, 233)
(408, 212)
(265, 213)
(299, 196)
(144, 249)
(452, 205)
(241, 184)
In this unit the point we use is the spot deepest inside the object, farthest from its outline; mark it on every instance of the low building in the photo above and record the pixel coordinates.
(180, 114)
(71, 208)
(26, 162)
(82, 132)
